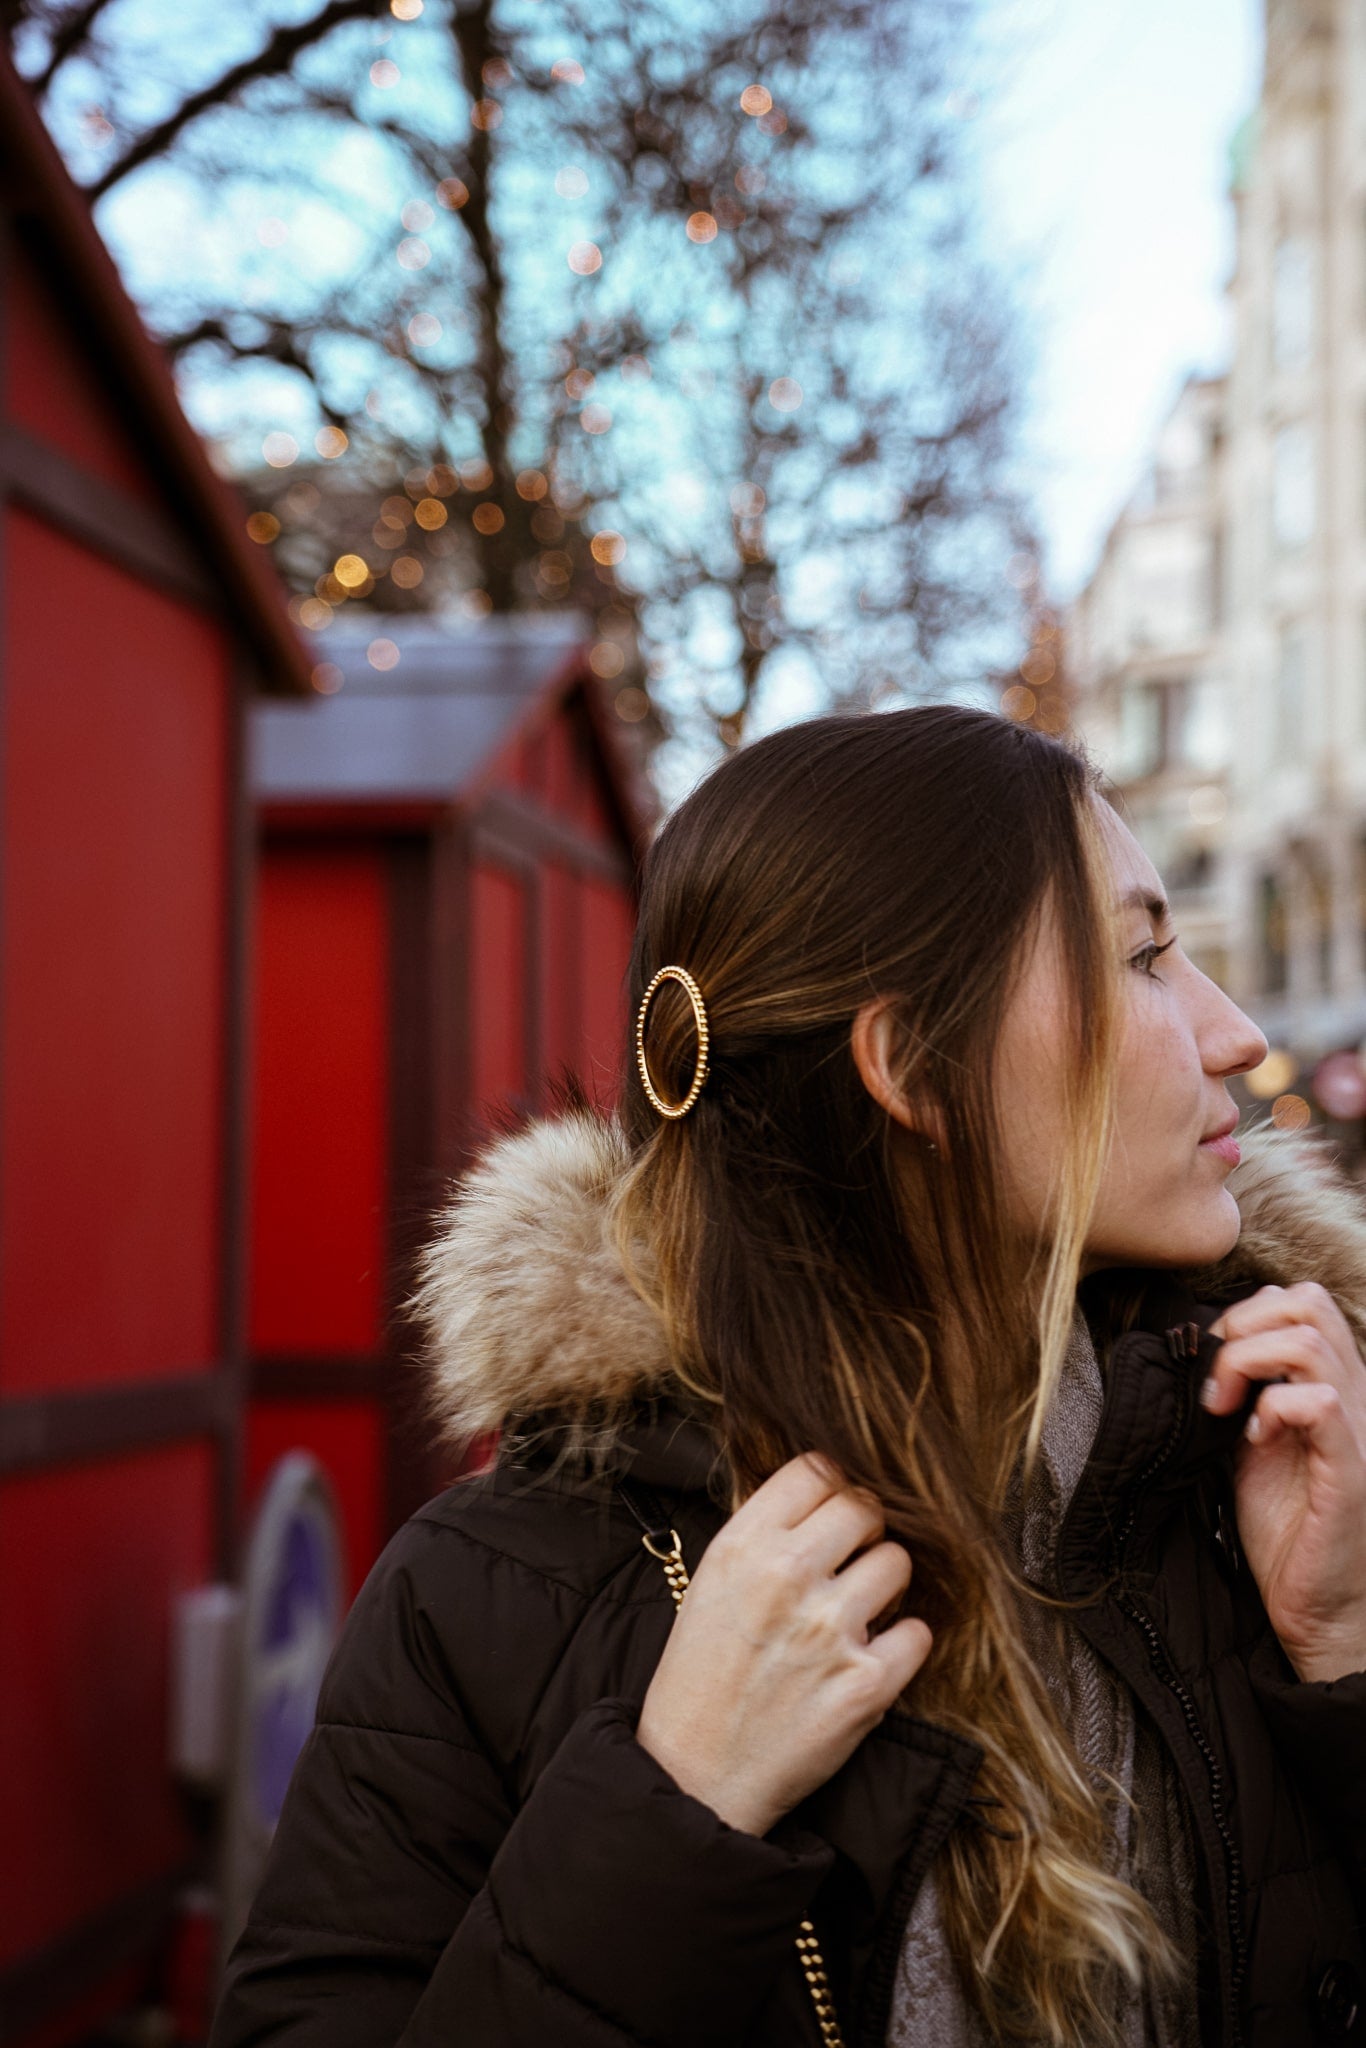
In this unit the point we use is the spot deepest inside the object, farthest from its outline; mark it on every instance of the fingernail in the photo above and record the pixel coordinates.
(1209, 1392)
(1254, 1427)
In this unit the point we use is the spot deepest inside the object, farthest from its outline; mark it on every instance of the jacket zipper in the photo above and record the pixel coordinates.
(1179, 1346)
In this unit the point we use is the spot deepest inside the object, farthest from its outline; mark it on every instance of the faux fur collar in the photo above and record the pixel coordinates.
(526, 1307)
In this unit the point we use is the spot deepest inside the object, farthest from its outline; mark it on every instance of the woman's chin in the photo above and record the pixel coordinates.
(1193, 1233)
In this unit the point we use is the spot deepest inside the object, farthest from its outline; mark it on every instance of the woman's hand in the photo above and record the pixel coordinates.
(770, 1677)
(1300, 1472)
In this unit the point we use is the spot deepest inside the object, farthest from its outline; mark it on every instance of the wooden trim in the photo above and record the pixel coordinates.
(414, 1180)
(53, 219)
(452, 1049)
(282, 1377)
(114, 523)
(510, 826)
(41, 1430)
(37, 1988)
(239, 956)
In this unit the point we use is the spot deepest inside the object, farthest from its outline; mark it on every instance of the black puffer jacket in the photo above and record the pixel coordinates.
(475, 1850)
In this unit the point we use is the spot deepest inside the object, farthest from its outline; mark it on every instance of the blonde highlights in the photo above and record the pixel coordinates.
(828, 1281)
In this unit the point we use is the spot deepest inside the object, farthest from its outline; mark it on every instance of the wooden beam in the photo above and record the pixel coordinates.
(282, 1377)
(507, 824)
(41, 1430)
(137, 536)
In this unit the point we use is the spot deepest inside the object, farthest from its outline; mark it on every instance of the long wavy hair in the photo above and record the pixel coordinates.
(828, 1281)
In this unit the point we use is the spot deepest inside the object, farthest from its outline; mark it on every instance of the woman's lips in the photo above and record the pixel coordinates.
(1225, 1148)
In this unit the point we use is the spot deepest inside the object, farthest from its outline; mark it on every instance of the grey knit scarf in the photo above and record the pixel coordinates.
(1114, 1739)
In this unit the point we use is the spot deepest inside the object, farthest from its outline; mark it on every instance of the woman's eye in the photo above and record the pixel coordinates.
(1145, 959)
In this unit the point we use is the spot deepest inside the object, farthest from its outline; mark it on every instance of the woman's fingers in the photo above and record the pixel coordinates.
(872, 1582)
(790, 1494)
(1310, 1408)
(901, 1650)
(1299, 1351)
(837, 1527)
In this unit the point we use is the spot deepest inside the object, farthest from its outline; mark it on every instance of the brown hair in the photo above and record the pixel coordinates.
(829, 1282)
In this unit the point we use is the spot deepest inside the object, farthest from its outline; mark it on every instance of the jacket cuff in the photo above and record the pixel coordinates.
(1319, 1727)
(640, 1900)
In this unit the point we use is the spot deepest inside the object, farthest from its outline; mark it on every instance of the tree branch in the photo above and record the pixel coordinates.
(275, 58)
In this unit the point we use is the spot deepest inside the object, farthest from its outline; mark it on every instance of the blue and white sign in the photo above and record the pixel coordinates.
(291, 1613)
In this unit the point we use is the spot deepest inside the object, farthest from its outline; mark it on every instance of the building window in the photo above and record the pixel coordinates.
(1292, 663)
(1271, 936)
(1141, 738)
(1292, 486)
(1292, 303)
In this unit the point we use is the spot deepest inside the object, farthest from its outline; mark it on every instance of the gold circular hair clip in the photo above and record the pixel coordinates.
(699, 1011)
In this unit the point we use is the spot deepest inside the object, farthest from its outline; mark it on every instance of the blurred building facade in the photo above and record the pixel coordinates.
(1147, 656)
(1254, 804)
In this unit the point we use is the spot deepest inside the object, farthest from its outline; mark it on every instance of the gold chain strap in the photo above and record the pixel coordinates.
(808, 1948)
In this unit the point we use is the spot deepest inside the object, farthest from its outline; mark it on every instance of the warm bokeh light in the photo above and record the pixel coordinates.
(607, 547)
(476, 604)
(382, 654)
(406, 10)
(280, 450)
(747, 501)
(584, 258)
(475, 474)
(384, 73)
(263, 527)
(424, 329)
(1339, 1086)
(486, 115)
(632, 705)
(315, 613)
(1276, 1073)
(579, 383)
(756, 99)
(327, 678)
(1019, 703)
(1039, 666)
(567, 72)
(496, 73)
(531, 485)
(784, 394)
(397, 510)
(351, 571)
(606, 660)
(701, 227)
(412, 253)
(416, 216)
(1207, 805)
(773, 122)
(750, 179)
(453, 193)
(407, 572)
(487, 519)
(441, 480)
(430, 514)
(635, 366)
(1290, 1112)
(571, 182)
(330, 442)
(595, 419)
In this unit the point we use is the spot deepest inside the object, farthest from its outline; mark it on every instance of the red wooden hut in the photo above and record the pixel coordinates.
(447, 890)
(135, 618)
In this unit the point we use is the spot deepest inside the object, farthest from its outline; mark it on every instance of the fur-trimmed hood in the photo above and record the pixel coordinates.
(527, 1309)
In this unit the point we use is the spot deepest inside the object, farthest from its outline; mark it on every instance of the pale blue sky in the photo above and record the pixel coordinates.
(1101, 133)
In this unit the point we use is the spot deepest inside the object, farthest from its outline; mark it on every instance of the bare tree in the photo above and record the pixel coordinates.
(667, 307)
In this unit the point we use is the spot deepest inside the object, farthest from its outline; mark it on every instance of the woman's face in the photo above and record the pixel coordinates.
(1163, 1198)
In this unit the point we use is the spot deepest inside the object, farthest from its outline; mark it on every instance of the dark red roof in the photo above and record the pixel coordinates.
(39, 190)
(422, 733)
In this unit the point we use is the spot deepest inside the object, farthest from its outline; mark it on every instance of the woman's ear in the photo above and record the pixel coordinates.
(872, 1040)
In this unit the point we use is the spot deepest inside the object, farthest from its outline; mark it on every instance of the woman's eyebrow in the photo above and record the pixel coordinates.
(1157, 907)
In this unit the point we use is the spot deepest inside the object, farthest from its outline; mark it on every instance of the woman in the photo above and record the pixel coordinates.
(1019, 1692)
